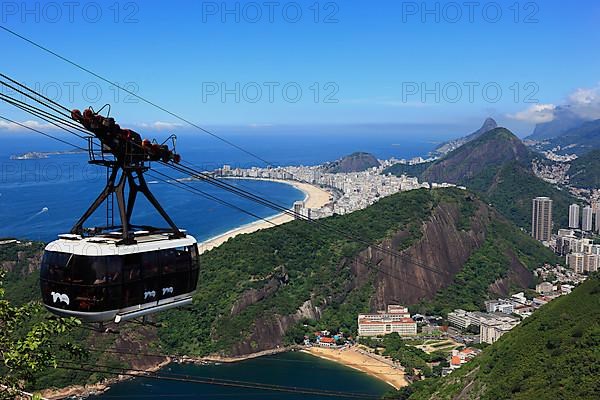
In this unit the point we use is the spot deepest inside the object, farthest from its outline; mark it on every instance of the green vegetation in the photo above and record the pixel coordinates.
(551, 355)
(21, 286)
(317, 266)
(486, 265)
(406, 169)
(253, 279)
(585, 171)
(29, 343)
(511, 189)
(254, 282)
(579, 140)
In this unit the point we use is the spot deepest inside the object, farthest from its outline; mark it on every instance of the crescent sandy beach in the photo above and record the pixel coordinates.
(315, 197)
(361, 360)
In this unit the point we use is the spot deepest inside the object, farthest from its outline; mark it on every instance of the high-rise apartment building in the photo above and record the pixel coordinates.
(574, 216)
(541, 218)
(586, 219)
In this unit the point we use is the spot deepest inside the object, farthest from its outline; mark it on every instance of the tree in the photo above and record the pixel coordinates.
(28, 343)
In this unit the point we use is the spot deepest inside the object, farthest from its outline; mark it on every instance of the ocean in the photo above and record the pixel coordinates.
(42, 198)
(294, 369)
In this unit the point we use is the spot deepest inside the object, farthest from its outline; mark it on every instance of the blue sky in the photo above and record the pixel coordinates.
(355, 62)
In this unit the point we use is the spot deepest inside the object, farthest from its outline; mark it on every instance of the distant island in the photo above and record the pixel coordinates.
(38, 155)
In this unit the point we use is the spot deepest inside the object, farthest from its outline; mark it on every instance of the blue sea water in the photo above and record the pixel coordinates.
(292, 370)
(42, 198)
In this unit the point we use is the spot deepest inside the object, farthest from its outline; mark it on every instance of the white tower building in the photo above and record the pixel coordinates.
(541, 218)
(574, 216)
(586, 219)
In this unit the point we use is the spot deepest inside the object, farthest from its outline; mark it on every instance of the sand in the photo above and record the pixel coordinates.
(315, 197)
(371, 364)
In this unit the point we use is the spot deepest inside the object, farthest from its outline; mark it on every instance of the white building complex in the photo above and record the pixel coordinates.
(395, 320)
(582, 255)
(501, 306)
(492, 328)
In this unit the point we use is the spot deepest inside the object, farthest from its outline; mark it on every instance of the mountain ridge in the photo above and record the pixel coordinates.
(450, 145)
(578, 140)
(497, 166)
(563, 120)
(494, 147)
(356, 162)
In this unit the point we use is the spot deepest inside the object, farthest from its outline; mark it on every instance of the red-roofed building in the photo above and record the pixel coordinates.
(326, 342)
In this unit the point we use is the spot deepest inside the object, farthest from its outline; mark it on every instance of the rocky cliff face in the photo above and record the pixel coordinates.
(268, 332)
(430, 263)
(442, 246)
(518, 276)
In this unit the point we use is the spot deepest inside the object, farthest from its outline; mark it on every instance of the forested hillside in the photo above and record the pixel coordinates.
(255, 288)
(585, 171)
(554, 354)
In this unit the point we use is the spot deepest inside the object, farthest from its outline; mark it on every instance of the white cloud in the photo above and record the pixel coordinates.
(585, 102)
(15, 127)
(536, 114)
(161, 126)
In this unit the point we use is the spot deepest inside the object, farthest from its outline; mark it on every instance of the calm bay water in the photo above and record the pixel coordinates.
(289, 369)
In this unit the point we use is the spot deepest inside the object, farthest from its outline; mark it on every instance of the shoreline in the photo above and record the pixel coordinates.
(353, 358)
(350, 357)
(314, 197)
(99, 388)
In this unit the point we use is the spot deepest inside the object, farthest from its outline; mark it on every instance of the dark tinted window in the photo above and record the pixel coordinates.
(90, 270)
(81, 271)
(44, 267)
(195, 256)
(54, 266)
(133, 293)
(193, 280)
(167, 260)
(149, 264)
(114, 269)
(182, 258)
(132, 267)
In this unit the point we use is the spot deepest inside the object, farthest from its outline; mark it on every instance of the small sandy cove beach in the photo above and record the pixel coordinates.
(315, 198)
(355, 358)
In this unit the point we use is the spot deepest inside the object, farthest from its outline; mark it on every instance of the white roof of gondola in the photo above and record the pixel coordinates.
(107, 245)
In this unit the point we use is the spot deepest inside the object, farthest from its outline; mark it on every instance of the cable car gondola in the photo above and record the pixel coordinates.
(119, 272)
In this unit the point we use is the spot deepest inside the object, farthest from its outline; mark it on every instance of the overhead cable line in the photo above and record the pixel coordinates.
(282, 209)
(357, 258)
(182, 119)
(41, 133)
(79, 66)
(139, 373)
